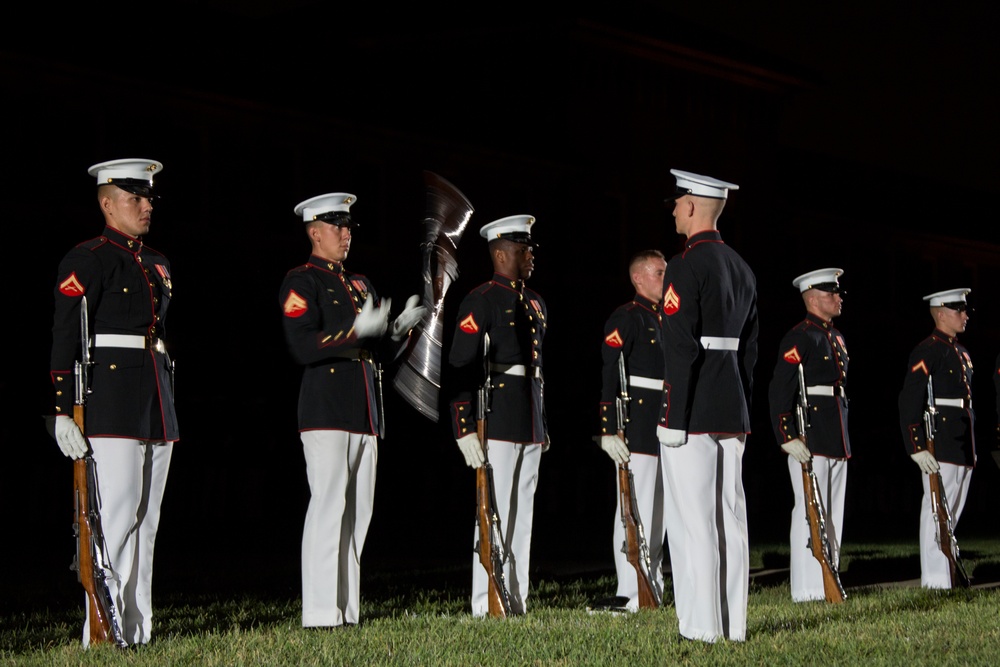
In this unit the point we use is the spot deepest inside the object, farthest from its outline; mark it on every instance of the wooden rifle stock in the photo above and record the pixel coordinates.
(88, 563)
(491, 547)
(819, 539)
(104, 627)
(100, 626)
(946, 527)
(819, 542)
(939, 503)
(635, 548)
(491, 550)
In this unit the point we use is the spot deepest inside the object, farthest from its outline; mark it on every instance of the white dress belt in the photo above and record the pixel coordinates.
(718, 343)
(820, 390)
(516, 369)
(129, 341)
(953, 402)
(645, 383)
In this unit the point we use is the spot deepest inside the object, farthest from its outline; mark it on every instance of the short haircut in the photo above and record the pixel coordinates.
(644, 256)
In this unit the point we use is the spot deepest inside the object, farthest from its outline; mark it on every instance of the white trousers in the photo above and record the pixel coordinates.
(131, 477)
(648, 485)
(515, 476)
(805, 572)
(706, 523)
(340, 468)
(935, 571)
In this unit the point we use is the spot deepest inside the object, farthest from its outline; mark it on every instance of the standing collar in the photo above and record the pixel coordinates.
(326, 264)
(507, 281)
(940, 334)
(819, 321)
(130, 243)
(646, 303)
(709, 235)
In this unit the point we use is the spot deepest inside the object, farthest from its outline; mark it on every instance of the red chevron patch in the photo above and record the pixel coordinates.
(468, 324)
(671, 301)
(792, 356)
(71, 286)
(295, 305)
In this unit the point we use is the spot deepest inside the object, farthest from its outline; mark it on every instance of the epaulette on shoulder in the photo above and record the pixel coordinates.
(301, 268)
(93, 244)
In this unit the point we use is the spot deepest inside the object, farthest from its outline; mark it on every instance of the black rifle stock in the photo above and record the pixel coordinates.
(491, 546)
(89, 560)
(635, 548)
(939, 502)
(819, 539)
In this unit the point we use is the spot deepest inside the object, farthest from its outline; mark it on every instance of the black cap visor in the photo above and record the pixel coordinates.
(339, 218)
(519, 237)
(136, 186)
(833, 288)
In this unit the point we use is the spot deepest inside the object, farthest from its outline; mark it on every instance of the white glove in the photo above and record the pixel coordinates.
(671, 437)
(372, 322)
(69, 438)
(472, 450)
(928, 464)
(797, 450)
(406, 320)
(615, 448)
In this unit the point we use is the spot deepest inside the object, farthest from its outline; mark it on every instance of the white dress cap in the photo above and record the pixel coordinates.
(701, 186)
(514, 227)
(822, 279)
(335, 205)
(127, 172)
(947, 297)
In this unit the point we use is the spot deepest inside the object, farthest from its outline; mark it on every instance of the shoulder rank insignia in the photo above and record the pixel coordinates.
(671, 301)
(792, 356)
(614, 339)
(295, 305)
(71, 286)
(468, 324)
(920, 367)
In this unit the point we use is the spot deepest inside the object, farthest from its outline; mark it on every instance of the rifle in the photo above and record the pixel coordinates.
(635, 548)
(88, 563)
(939, 503)
(819, 539)
(491, 547)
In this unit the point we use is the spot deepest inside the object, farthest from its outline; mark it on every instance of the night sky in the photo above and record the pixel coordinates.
(861, 139)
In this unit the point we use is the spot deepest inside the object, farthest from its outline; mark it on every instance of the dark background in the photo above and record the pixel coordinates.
(862, 139)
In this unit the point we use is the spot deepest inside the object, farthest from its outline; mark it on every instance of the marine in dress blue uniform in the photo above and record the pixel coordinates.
(947, 363)
(516, 318)
(709, 350)
(334, 323)
(129, 420)
(816, 345)
(633, 330)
